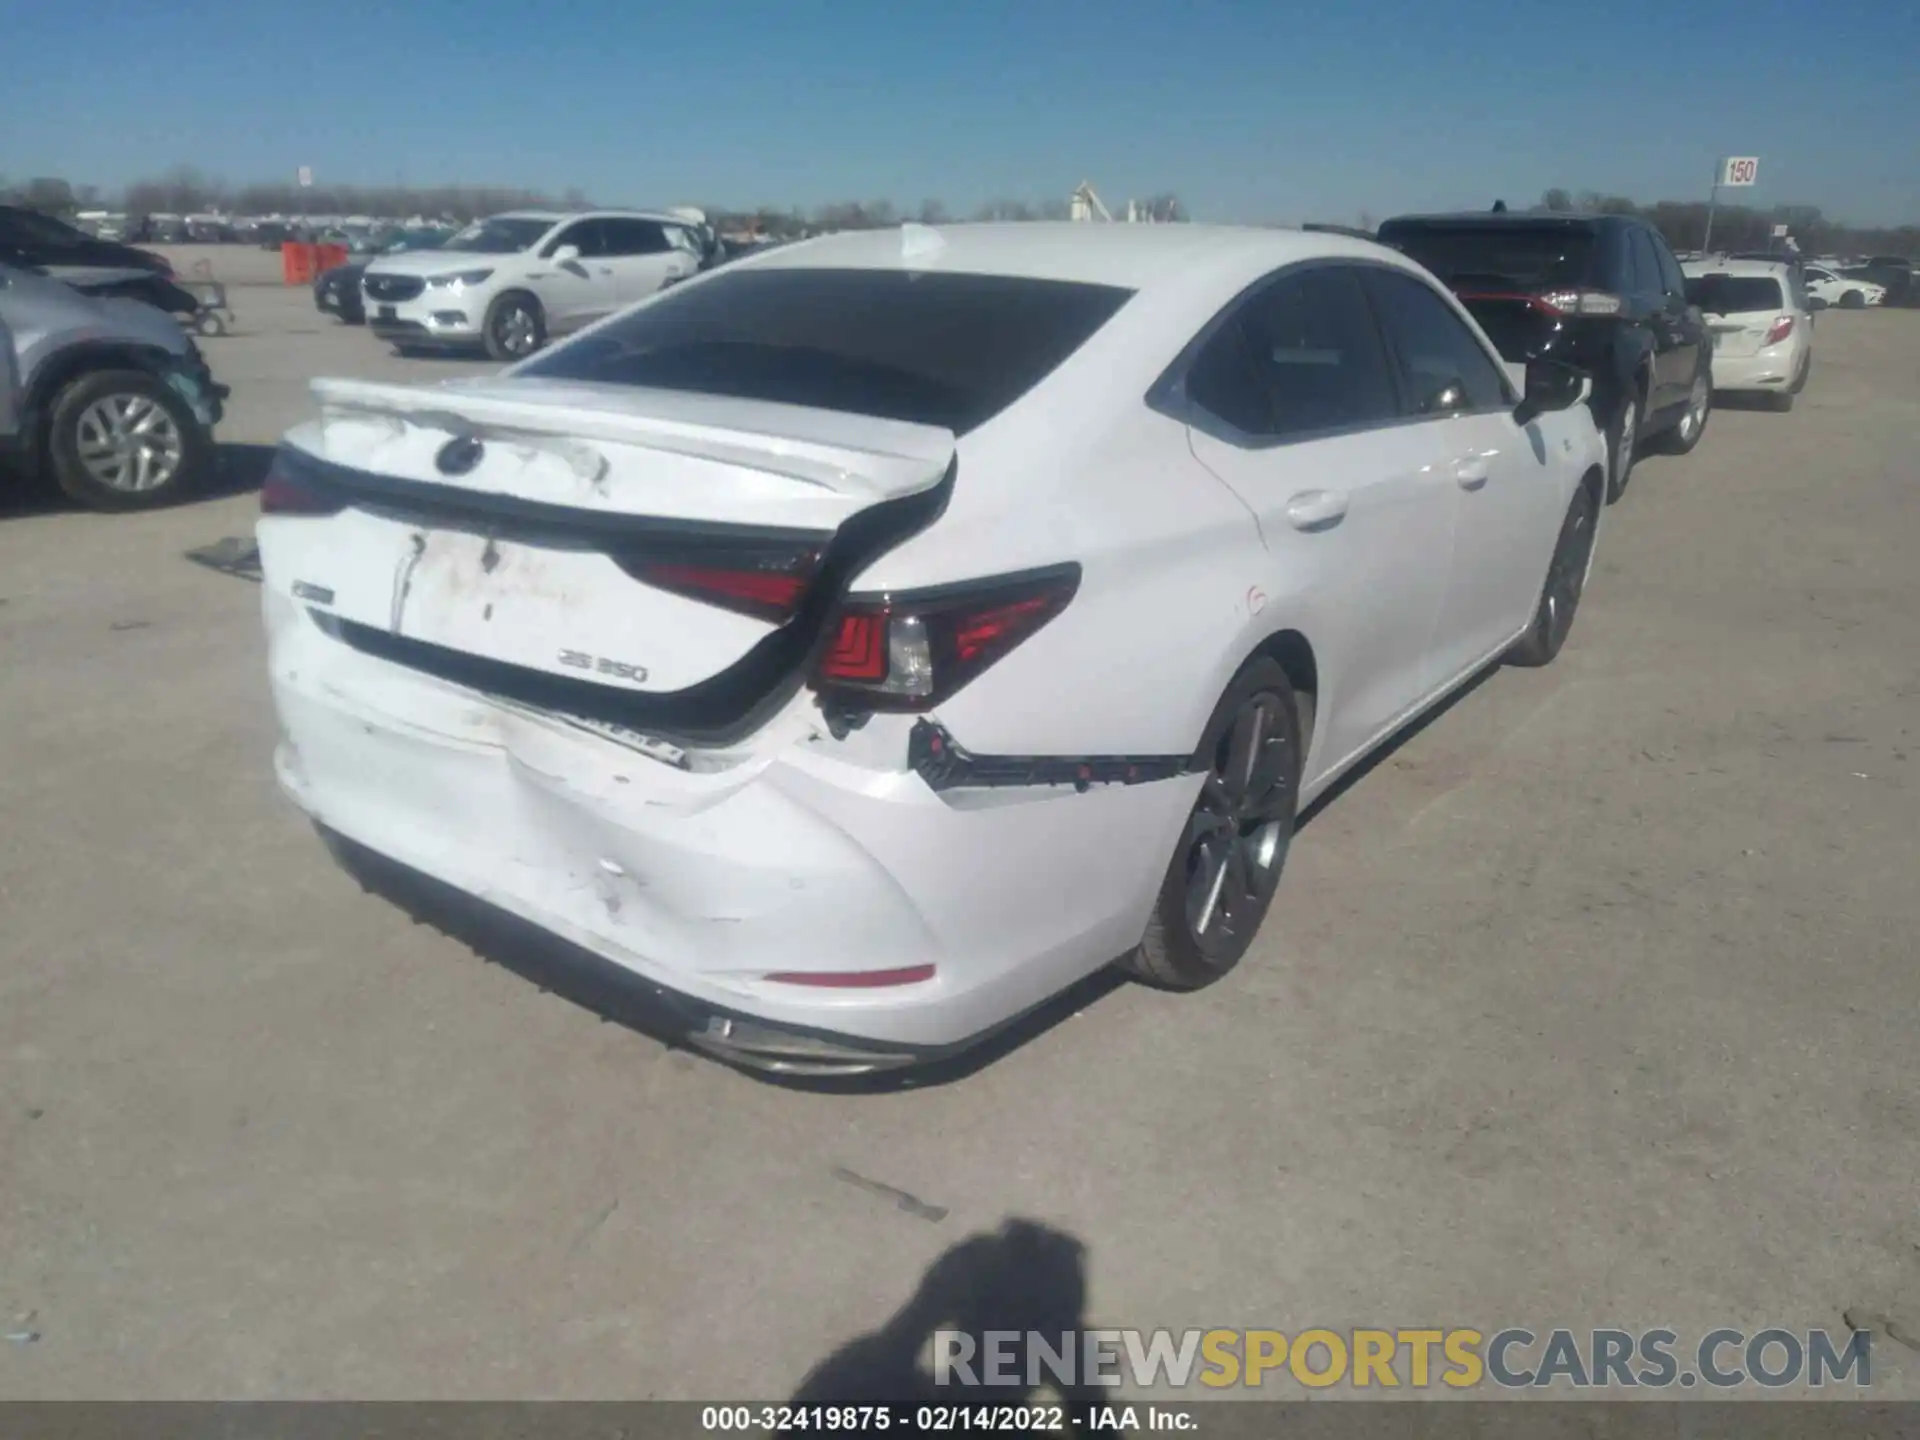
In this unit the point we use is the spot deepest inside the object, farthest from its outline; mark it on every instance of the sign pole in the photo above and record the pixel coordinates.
(1713, 198)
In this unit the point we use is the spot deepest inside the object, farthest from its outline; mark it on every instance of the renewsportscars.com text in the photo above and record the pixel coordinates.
(1458, 1358)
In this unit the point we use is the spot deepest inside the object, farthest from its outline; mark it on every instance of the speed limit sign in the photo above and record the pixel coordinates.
(1740, 170)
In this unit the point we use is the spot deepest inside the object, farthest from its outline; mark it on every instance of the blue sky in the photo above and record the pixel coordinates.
(1248, 111)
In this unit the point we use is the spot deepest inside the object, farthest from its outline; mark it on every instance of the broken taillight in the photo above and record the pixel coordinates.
(911, 651)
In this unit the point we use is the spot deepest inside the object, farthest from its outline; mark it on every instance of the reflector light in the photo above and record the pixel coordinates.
(854, 979)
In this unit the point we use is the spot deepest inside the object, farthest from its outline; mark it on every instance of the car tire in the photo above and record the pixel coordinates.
(102, 424)
(1623, 430)
(516, 327)
(1566, 581)
(1233, 846)
(1692, 423)
(1853, 300)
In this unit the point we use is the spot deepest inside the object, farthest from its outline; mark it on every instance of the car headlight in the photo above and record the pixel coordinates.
(455, 281)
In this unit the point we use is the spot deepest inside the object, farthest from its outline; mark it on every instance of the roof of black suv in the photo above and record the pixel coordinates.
(1510, 217)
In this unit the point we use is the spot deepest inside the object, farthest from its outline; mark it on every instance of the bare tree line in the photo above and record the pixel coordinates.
(186, 190)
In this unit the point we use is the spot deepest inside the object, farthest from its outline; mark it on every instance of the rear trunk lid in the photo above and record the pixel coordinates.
(1740, 336)
(643, 557)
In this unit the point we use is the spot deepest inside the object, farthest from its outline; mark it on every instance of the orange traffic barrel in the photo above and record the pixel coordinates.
(297, 263)
(326, 257)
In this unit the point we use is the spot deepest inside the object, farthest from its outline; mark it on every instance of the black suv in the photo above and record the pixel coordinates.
(1602, 292)
(34, 241)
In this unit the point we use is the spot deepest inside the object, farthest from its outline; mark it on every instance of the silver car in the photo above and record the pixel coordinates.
(109, 396)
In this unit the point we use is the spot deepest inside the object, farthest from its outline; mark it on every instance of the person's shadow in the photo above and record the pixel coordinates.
(1023, 1277)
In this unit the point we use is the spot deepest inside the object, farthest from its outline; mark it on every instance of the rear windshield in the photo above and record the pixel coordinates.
(935, 349)
(1505, 255)
(1734, 294)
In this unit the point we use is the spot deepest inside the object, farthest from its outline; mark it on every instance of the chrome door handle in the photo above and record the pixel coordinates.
(1316, 509)
(1473, 473)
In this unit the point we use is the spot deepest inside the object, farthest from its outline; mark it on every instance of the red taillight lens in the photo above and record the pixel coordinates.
(911, 651)
(286, 491)
(1779, 330)
(858, 651)
(767, 584)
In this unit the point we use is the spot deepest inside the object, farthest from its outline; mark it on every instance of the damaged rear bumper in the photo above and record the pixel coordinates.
(792, 854)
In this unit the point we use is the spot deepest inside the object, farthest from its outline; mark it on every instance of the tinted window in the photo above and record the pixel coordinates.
(1433, 346)
(584, 235)
(1672, 281)
(938, 349)
(634, 237)
(1300, 356)
(1734, 294)
(1509, 255)
(1644, 276)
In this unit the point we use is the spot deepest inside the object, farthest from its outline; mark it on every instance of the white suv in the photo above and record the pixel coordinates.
(511, 281)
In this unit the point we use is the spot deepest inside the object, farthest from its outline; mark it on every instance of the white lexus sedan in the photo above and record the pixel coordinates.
(864, 641)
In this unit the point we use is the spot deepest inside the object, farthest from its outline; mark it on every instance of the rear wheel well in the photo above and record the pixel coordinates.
(1291, 651)
(1595, 481)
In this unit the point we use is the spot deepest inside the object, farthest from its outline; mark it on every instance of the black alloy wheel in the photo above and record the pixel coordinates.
(1227, 865)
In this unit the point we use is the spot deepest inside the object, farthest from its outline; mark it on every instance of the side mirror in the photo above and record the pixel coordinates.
(1550, 386)
(566, 253)
(1450, 397)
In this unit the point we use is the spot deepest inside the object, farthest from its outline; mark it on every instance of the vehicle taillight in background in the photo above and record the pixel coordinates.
(1581, 302)
(910, 652)
(289, 490)
(1554, 302)
(1778, 331)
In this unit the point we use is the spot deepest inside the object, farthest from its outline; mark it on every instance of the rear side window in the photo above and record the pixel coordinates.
(1643, 275)
(1505, 255)
(584, 235)
(1672, 281)
(1734, 294)
(933, 348)
(1300, 357)
(1434, 347)
(634, 237)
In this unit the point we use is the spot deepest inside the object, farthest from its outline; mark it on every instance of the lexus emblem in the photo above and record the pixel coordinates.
(459, 455)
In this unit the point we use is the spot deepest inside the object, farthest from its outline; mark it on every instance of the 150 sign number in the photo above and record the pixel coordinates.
(1740, 170)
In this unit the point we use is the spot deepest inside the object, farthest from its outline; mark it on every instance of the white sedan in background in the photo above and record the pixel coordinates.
(1842, 291)
(864, 641)
(1761, 324)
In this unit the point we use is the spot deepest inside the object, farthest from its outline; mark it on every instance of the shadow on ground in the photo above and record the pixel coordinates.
(1024, 1277)
(238, 470)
